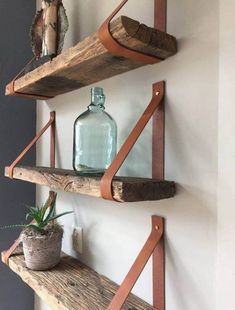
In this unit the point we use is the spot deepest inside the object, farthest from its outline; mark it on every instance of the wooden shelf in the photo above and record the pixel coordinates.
(72, 286)
(89, 61)
(125, 189)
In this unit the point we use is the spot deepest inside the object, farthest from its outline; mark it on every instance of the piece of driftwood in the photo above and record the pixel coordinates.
(48, 29)
(72, 286)
(125, 189)
(89, 61)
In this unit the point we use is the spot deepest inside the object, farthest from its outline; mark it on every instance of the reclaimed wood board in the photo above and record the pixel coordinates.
(89, 61)
(125, 189)
(72, 286)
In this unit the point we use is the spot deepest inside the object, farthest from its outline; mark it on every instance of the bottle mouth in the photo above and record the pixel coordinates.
(97, 96)
(97, 90)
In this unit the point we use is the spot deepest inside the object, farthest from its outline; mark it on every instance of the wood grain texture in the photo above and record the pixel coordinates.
(72, 286)
(125, 189)
(89, 62)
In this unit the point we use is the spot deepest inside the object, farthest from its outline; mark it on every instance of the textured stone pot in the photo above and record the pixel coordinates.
(42, 252)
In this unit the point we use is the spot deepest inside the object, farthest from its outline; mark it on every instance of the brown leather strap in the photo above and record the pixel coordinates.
(115, 48)
(7, 254)
(106, 181)
(151, 244)
(51, 122)
(159, 275)
(52, 195)
(52, 140)
(158, 138)
(12, 92)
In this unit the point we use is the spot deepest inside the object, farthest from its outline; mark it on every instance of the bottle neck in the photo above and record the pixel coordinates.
(97, 99)
(95, 108)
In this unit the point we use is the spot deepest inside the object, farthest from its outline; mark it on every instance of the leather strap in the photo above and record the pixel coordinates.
(115, 48)
(158, 139)
(106, 181)
(12, 92)
(153, 243)
(7, 254)
(50, 123)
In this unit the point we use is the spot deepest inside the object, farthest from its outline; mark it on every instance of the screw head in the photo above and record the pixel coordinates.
(157, 227)
(157, 93)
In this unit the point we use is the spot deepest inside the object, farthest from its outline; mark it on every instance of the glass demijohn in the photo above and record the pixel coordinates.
(95, 138)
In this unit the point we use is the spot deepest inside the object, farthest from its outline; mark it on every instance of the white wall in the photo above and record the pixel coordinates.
(115, 233)
(226, 193)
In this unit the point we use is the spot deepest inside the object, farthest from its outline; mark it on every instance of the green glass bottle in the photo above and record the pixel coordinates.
(95, 138)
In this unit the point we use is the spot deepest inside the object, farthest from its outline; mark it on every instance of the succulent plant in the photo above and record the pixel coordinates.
(41, 217)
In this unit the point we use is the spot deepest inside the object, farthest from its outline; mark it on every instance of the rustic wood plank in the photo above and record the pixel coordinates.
(124, 188)
(89, 62)
(72, 286)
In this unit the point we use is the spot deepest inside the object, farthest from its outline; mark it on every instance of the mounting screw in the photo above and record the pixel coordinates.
(157, 227)
(157, 93)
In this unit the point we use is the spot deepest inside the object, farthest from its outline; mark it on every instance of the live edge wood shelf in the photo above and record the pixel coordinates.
(89, 61)
(72, 286)
(125, 189)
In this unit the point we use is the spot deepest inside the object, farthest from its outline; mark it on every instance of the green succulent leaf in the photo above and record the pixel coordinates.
(41, 216)
(59, 215)
(35, 227)
(13, 226)
(51, 213)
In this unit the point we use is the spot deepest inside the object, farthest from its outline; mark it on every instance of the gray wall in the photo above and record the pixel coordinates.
(17, 127)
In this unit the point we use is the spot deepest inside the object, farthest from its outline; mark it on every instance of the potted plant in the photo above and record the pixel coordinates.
(42, 238)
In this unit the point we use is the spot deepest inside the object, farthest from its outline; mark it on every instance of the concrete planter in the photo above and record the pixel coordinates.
(42, 252)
